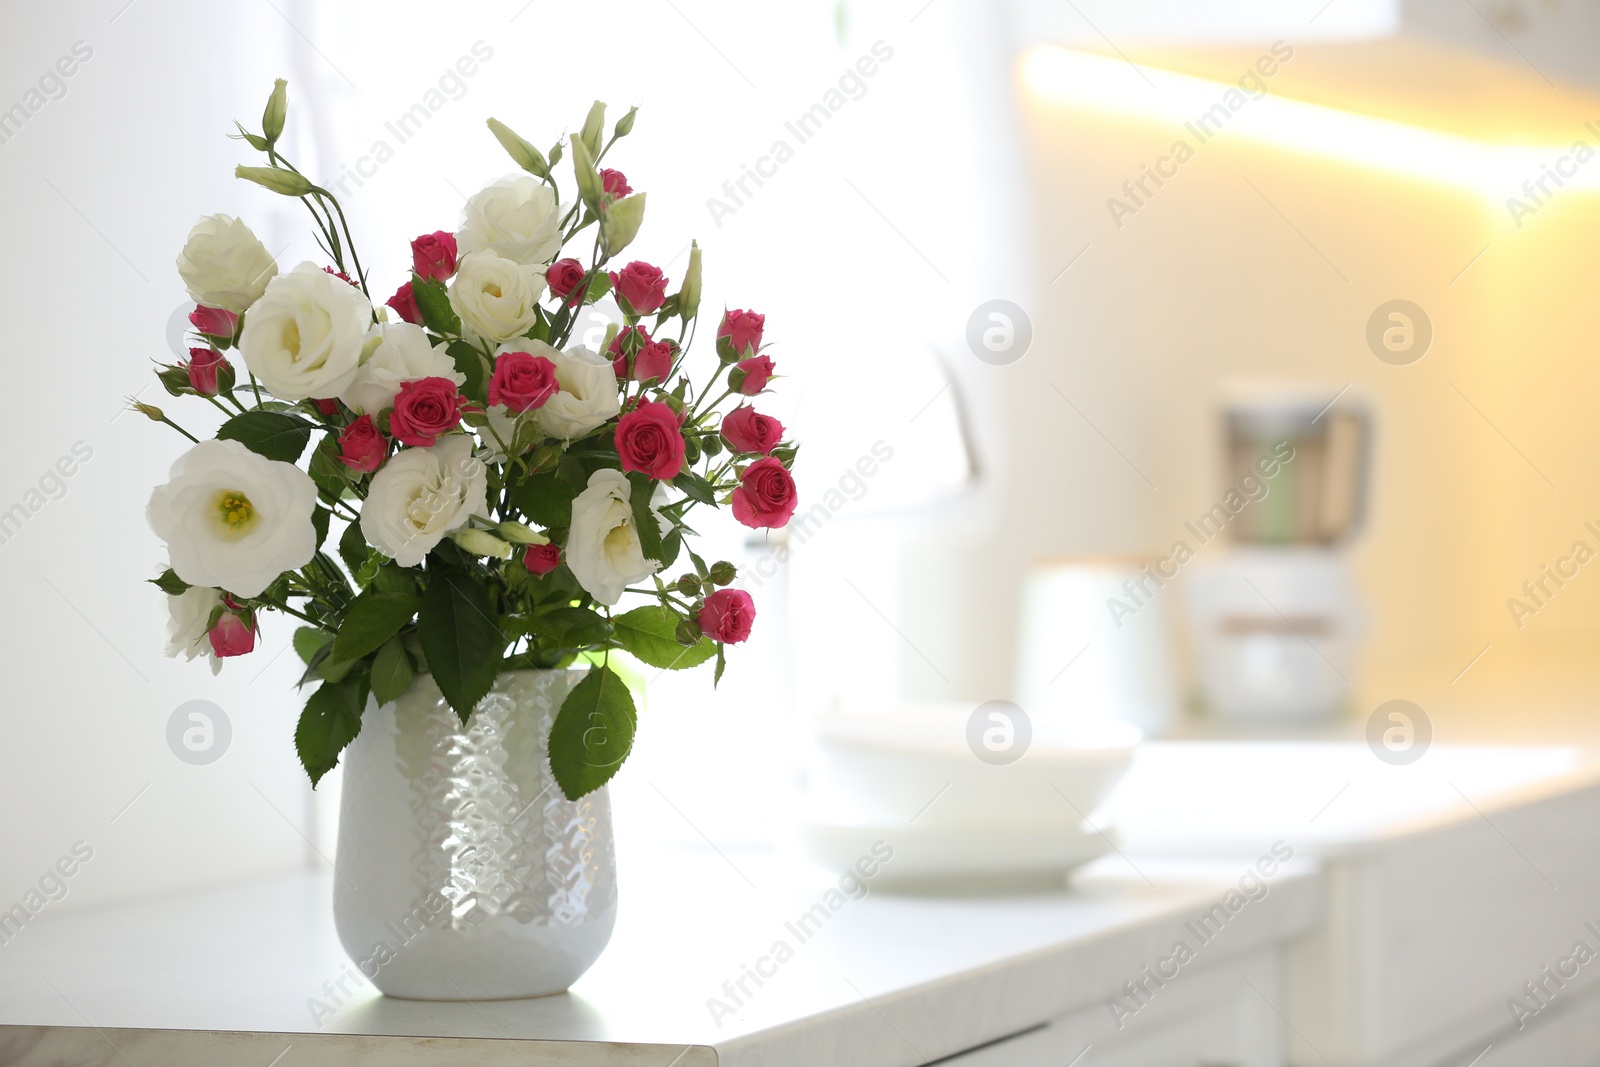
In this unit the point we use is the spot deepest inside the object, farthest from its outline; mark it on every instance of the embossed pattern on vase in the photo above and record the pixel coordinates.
(463, 870)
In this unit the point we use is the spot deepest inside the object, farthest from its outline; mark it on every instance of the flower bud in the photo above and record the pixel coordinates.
(519, 534)
(689, 291)
(521, 152)
(480, 543)
(625, 123)
(620, 223)
(585, 174)
(278, 180)
(723, 572)
(277, 107)
(149, 411)
(689, 632)
(689, 584)
(592, 127)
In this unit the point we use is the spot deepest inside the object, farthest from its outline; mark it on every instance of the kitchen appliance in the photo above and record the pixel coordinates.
(1277, 622)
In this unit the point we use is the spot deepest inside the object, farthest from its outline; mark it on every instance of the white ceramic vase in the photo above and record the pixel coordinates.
(463, 872)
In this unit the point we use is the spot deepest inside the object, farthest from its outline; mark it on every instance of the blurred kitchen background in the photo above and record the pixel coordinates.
(995, 152)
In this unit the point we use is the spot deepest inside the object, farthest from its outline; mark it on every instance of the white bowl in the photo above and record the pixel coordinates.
(916, 764)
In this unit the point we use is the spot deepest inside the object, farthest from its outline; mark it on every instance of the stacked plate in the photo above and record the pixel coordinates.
(961, 795)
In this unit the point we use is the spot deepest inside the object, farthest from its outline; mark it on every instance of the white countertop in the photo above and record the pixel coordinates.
(229, 976)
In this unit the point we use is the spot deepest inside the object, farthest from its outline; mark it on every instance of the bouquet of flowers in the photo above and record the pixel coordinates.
(445, 483)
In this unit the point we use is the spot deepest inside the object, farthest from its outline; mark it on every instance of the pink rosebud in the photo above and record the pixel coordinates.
(615, 182)
(747, 431)
(214, 322)
(342, 276)
(424, 410)
(727, 616)
(232, 636)
(652, 360)
(766, 496)
(329, 408)
(433, 255)
(542, 559)
(361, 446)
(641, 287)
(739, 335)
(206, 366)
(751, 376)
(404, 302)
(522, 381)
(564, 275)
(649, 439)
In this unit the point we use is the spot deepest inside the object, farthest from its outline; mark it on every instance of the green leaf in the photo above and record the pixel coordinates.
(331, 720)
(373, 618)
(353, 549)
(671, 545)
(650, 633)
(169, 583)
(308, 640)
(546, 500)
(695, 487)
(722, 664)
(268, 433)
(319, 522)
(391, 672)
(567, 627)
(593, 733)
(461, 638)
(469, 361)
(433, 300)
(644, 519)
(326, 470)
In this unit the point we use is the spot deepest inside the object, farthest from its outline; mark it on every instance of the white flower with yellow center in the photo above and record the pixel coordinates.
(234, 520)
(603, 548)
(304, 337)
(496, 298)
(421, 495)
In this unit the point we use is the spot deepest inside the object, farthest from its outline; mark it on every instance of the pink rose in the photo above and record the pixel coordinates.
(766, 496)
(424, 410)
(232, 635)
(739, 335)
(404, 303)
(564, 275)
(652, 360)
(542, 559)
(649, 440)
(214, 322)
(615, 182)
(361, 446)
(206, 366)
(433, 255)
(641, 287)
(751, 376)
(330, 408)
(747, 431)
(727, 616)
(522, 381)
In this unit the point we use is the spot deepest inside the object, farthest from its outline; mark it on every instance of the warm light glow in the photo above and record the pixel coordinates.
(1111, 84)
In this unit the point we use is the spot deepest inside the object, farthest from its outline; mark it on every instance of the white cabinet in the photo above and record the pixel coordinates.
(1217, 1016)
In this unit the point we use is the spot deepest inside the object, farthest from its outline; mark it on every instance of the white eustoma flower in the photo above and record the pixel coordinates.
(224, 265)
(588, 395)
(303, 338)
(517, 217)
(496, 298)
(188, 624)
(402, 353)
(603, 549)
(234, 520)
(421, 495)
